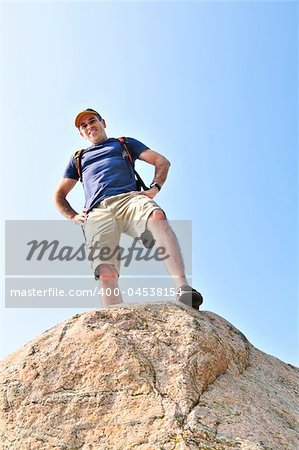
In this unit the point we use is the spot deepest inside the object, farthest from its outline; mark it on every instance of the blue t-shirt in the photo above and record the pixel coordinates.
(106, 171)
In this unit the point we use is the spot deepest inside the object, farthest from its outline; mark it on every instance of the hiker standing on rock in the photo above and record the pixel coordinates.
(113, 197)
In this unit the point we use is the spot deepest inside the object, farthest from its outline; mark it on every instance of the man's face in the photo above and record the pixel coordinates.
(92, 128)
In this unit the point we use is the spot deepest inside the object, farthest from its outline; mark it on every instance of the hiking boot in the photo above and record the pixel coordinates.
(189, 296)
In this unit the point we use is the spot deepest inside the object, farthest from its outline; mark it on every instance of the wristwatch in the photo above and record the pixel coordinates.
(155, 184)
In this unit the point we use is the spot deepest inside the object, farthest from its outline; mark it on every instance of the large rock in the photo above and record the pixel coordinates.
(158, 376)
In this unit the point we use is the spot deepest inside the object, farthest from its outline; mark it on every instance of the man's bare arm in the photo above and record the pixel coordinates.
(59, 198)
(159, 161)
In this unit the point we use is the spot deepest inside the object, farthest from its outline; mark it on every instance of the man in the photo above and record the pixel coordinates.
(112, 199)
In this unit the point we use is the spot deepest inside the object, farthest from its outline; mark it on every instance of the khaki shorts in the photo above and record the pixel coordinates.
(124, 213)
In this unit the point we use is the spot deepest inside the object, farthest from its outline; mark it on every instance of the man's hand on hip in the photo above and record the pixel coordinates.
(151, 193)
(81, 217)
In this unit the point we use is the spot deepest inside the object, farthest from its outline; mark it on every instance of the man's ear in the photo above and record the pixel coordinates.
(104, 123)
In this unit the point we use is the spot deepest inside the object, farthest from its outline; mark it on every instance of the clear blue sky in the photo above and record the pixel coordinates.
(213, 86)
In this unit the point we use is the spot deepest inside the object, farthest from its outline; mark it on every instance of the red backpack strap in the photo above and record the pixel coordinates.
(124, 143)
(78, 158)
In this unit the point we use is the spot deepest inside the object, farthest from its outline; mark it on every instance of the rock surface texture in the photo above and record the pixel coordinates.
(156, 376)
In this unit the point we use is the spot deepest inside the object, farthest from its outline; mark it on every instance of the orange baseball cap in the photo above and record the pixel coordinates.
(86, 111)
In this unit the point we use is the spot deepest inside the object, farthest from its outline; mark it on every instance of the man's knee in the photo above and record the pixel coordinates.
(106, 272)
(157, 214)
(157, 225)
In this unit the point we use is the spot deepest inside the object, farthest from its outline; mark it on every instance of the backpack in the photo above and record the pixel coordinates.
(126, 155)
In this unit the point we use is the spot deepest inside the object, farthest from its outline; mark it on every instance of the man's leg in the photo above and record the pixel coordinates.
(108, 277)
(165, 237)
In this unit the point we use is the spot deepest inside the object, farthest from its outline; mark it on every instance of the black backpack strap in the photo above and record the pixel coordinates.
(125, 145)
(78, 158)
